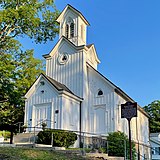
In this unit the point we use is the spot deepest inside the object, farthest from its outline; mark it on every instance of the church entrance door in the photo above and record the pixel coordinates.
(42, 114)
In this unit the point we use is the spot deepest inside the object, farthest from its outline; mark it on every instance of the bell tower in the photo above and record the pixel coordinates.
(73, 25)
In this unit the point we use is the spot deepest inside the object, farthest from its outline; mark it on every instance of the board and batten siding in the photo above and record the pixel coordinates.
(49, 97)
(70, 113)
(139, 124)
(82, 31)
(80, 28)
(70, 73)
(103, 102)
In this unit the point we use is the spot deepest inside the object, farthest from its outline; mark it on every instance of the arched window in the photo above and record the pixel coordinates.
(71, 30)
(100, 92)
(67, 30)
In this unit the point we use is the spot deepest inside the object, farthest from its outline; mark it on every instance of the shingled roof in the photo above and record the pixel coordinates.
(59, 86)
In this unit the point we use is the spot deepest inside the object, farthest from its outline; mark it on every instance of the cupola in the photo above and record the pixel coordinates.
(73, 25)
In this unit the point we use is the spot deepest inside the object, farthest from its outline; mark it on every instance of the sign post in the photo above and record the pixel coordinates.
(128, 111)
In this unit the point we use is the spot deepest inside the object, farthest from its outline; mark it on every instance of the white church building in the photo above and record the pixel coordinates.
(74, 95)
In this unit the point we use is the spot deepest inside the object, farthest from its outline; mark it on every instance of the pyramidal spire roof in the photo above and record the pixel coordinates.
(74, 10)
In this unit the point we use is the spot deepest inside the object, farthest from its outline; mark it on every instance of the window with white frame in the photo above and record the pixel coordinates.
(72, 30)
(69, 28)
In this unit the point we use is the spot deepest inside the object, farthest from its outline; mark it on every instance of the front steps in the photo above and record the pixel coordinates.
(23, 138)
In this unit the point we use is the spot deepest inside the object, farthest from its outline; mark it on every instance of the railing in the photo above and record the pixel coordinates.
(40, 123)
(90, 141)
(19, 126)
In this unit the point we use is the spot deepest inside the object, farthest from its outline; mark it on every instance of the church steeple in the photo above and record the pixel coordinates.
(73, 25)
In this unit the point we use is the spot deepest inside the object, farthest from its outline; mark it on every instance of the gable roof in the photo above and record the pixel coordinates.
(154, 141)
(91, 46)
(58, 43)
(119, 91)
(74, 10)
(154, 134)
(57, 85)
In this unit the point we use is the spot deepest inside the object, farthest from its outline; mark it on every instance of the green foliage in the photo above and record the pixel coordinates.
(116, 145)
(60, 138)
(5, 134)
(21, 153)
(102, 150)
(18, 68)
(153, 111)
(32, 18)
(17, 73)
(44, 125)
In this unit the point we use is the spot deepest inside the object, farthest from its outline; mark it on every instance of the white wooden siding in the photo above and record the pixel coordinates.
(70, 73)
(95, 82)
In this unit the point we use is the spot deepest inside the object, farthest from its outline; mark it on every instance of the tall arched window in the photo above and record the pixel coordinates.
(67, 30)
(71, 30)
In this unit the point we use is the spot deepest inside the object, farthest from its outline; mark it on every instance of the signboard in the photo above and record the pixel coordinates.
(128, 110)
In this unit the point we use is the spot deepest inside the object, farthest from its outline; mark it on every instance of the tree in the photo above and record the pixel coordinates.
(18, 68)
(17, 73)
(153, 111)
(117, 142)
(32, 18)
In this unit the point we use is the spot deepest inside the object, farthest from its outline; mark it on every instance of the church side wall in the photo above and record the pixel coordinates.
(70, 114)
(100, 104)
(139, 126)
(85, 112)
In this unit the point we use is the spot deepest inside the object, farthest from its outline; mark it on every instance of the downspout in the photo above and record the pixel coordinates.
(80, 124)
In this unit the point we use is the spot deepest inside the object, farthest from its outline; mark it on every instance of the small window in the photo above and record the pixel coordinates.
(56, 111)
(72, 30)
(42, 83)
(42, 91)
(64, 58)
(100, 93)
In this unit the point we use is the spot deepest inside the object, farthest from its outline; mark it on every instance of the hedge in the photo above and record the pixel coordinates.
(60, 138)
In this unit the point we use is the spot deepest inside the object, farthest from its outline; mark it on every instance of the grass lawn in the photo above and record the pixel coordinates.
(35, 154)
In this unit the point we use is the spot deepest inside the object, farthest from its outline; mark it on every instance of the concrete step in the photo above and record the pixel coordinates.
(24, 138)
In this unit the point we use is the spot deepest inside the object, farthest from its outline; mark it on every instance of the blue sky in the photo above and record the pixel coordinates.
(126, 35)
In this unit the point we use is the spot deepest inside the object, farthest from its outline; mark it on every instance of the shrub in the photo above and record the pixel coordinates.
(5, 134)
(116, 145)
(44, 125)
(60, 138)
(102, 150)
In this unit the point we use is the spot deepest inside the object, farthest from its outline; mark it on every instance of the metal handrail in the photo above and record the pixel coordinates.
(42, 121)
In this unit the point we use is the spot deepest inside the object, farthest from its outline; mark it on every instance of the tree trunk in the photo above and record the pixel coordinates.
(11, 137)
